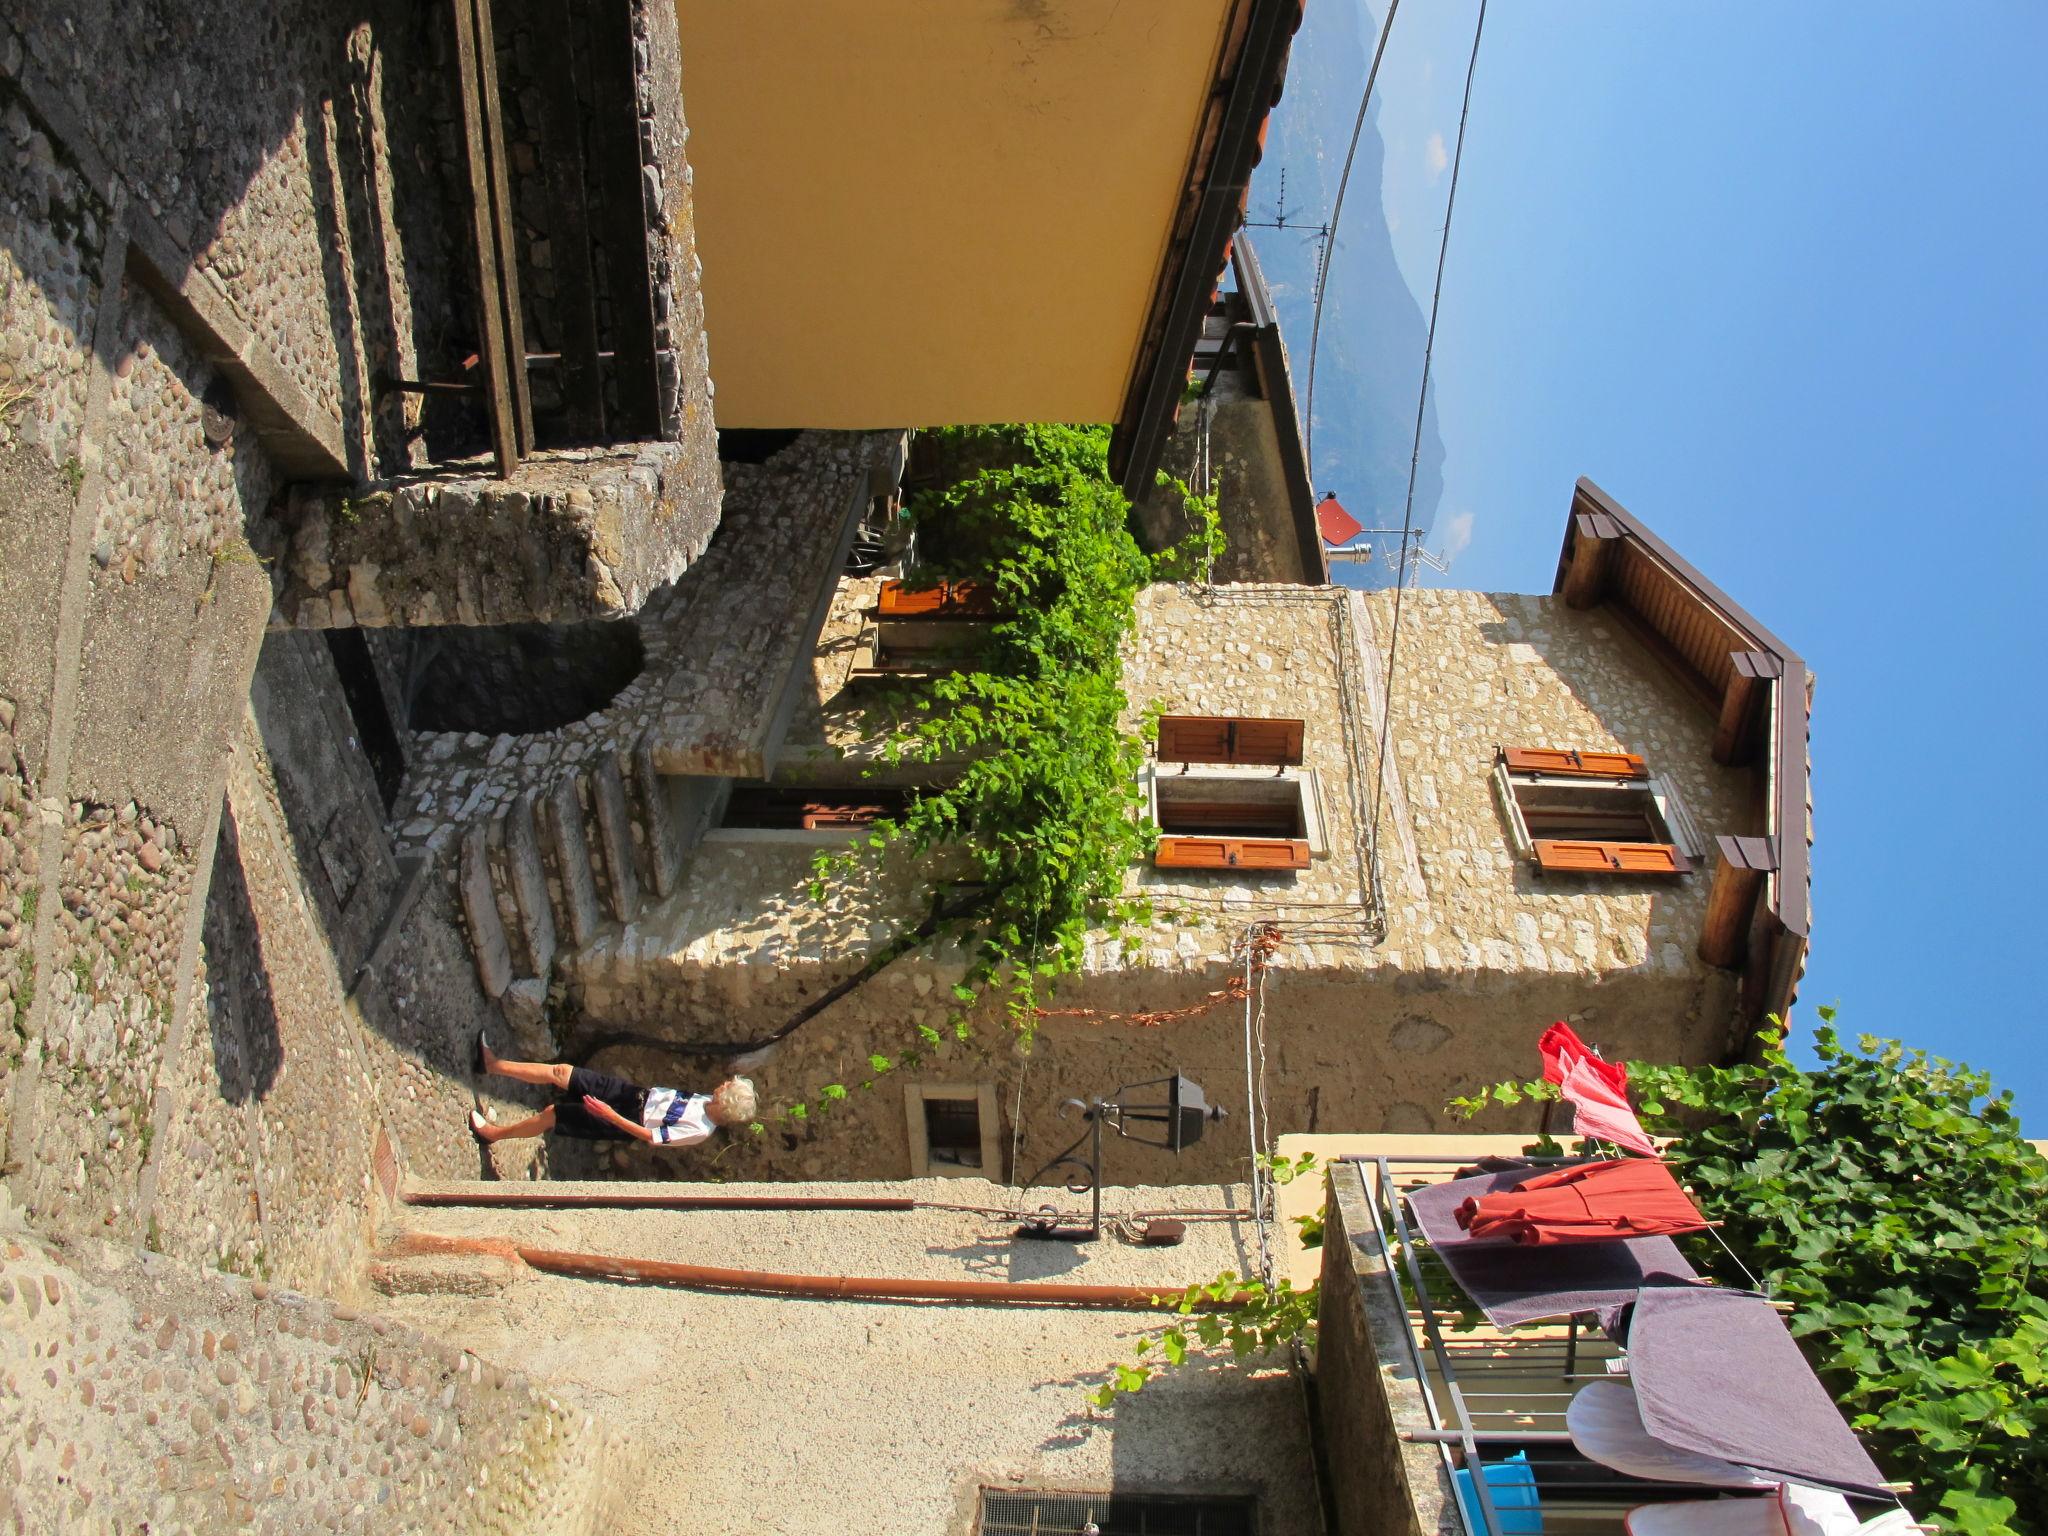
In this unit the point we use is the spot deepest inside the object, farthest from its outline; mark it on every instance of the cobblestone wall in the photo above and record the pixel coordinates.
(20, 898)
(137, 1394)
(122, 885)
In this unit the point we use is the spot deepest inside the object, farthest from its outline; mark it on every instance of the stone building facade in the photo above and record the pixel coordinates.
(1393, 972)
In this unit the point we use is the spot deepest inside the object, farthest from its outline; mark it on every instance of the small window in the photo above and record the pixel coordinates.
(921, 631)
(1020, 1512)
(811, 808)
(1235, 817)
(952, 1130)
(1573, 812)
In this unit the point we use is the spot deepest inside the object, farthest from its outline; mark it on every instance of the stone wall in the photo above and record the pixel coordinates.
(574, 534)
(1366, 1388)
(142, 1395)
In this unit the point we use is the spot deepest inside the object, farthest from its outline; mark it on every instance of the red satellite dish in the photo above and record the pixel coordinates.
(1335, 524)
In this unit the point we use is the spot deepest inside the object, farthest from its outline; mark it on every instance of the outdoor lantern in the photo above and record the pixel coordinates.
(1167, 1112)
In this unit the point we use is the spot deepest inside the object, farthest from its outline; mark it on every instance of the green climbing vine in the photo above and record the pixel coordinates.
(1042, 798)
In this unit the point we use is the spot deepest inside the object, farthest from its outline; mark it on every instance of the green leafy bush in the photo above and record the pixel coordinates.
(1043, 802)
(1889, 1196)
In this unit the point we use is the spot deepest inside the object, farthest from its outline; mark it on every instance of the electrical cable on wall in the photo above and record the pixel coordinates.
(1315, 330)
(1415, 454)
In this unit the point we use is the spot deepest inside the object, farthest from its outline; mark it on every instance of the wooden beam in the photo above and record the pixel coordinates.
(1749, 678)
(616, 179)
(1739, 869)
(1585, 582)
(575, 305)
(492, 344)
(503, 225)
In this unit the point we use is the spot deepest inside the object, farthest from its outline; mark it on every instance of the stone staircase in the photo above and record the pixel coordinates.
(564, 864)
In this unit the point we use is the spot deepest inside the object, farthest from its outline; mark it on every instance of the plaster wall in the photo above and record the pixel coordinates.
(771, 1414)
(1001, 267)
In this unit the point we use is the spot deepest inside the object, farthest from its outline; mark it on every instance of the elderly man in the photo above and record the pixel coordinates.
(599, 1107)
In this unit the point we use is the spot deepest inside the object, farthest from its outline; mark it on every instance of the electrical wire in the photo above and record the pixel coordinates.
(1415, 454)
(1315, 330)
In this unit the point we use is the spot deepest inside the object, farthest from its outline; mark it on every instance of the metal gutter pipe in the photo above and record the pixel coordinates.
(762, 1282)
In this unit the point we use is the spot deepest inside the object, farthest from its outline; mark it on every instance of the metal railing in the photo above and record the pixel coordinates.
(1498, 1391)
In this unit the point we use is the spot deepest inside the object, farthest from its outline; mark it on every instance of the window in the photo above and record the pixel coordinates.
(811, 808)
(920, 631)
(1020, 1512)
(1230, 794)
(1573, 812)
(952, 1130)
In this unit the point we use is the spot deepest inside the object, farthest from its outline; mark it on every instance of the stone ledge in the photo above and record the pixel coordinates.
(575, 534)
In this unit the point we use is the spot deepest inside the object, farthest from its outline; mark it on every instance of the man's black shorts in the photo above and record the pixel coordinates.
(572, 1119)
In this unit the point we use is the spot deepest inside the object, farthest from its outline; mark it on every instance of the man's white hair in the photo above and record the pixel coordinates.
(733, 1101)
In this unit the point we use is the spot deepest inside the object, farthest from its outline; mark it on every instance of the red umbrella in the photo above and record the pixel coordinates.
(1586, 1203)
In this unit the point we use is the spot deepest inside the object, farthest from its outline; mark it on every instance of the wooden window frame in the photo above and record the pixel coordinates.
(983, 1096)
(1681, 839)
(1224, 777)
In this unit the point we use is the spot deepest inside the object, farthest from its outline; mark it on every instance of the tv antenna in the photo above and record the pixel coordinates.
(1365, 548)
(1282, 219)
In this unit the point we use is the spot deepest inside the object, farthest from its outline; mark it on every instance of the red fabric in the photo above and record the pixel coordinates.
(1561, 1046)
(1336, 525)
(1599, 1111)
(1586, 1203)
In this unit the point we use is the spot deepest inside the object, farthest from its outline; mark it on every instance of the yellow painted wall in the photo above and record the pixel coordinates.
(916, 212)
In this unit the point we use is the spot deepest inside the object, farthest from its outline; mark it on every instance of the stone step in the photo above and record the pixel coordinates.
(565, 851)
(478, 887)
(528, 881)
(613, 815)
(654, 811)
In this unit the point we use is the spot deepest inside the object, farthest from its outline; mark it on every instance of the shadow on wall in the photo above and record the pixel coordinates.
(240, 1008)
(228, 122)
(518, 679)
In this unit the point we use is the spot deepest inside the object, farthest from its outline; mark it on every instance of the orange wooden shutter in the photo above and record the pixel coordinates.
(1610, 858)
(1220, 739)
(819, 818)
(1274, 742)
(1563, 760)
(1194, 739)
(946, 600)
(1231, 853)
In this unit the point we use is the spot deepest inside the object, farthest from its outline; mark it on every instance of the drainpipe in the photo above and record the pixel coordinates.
(762, 1282)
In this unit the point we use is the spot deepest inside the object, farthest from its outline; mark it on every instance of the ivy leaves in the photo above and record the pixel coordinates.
(1889, 1196)
(1043, 802)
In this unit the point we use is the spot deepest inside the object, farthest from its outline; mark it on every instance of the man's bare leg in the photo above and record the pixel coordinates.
(532, 1125)
(543, 1074)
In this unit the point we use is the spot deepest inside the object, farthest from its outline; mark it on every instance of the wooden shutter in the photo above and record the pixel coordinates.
(1221, 739)
(1609, 858)
(820, 818)
(945, 600)
(1563, 760)
(1231, 853)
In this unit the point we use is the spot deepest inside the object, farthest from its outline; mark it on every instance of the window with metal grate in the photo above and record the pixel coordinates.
(1012, 1512)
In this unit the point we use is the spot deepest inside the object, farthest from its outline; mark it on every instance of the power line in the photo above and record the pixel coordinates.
(1415, 455)
(1329, 246)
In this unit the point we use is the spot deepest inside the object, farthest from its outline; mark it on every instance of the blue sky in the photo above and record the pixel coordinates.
(1773, 276)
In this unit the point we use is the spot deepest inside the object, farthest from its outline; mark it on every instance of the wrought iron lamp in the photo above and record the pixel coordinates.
(1167, 1112)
